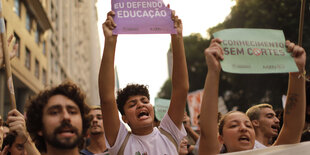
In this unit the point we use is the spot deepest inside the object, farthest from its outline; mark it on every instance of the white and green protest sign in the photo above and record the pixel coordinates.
(255, 51)
(161, 107)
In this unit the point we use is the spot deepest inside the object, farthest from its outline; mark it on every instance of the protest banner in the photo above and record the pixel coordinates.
(194, 103)
(194, 100)
(142, 17)
(255, 51)
(161, 108)
(300, 148)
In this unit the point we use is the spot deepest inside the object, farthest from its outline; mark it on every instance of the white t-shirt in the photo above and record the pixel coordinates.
(196, 148)
(258, 145)
(153, 143)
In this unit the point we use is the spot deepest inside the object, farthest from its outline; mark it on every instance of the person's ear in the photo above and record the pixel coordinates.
(255, 123)
(124, 118)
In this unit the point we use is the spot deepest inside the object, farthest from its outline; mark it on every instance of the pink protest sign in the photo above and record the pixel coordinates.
(142, 17)
(194, 104)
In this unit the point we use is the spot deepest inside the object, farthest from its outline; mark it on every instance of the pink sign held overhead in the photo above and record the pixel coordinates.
(142, 17)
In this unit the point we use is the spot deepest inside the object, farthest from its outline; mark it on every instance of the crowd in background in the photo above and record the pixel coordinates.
(58, 120)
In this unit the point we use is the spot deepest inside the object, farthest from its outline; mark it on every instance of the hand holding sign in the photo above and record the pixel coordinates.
(177, 23)
(255, 51)
(213, 55)
(142, 17)
(299, 55)
(109, 25)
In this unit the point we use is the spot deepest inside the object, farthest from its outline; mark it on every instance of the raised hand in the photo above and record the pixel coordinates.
(213, 55)
(17, 124)
(299, 55)
(109, 25)
(12, 53)
(177, 23)
(186, 121)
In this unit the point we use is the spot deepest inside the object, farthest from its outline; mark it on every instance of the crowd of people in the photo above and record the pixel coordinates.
(238, 131)
(58, 120)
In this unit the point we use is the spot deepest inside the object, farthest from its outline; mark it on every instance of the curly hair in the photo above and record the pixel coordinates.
(37, 103)
(130, 90)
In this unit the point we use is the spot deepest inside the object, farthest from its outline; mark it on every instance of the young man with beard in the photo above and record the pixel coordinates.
(265, 123)
(134, 103)
(96, 132)
(57, 119)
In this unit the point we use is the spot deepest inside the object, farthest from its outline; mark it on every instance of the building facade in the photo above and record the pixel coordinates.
(28, 22)
(74, 45)
(58, 40)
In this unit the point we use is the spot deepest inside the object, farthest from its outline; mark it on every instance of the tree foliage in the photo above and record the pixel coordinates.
(194, 46)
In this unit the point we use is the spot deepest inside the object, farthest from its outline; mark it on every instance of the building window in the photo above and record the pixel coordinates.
(57, 22)
(63, 75)
(17, 7)
(37, 70)
(44, 48)
(38, 34)
(53, 44)
(44, 77)
(52, 11)
(17, 41)
(28, 21)
(56, 67)
(52, 62)
(28, 58)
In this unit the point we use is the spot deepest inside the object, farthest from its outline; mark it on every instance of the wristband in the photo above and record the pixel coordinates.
(303, 75)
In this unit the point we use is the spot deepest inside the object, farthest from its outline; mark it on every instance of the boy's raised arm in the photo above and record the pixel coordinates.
(106, 82)
(180, 84)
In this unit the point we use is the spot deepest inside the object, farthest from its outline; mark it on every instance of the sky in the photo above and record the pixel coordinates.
(142, 58)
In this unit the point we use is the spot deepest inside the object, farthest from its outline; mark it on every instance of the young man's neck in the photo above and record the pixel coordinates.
(262, 139)
(143, 131)
(52, 151)
(97, 144)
